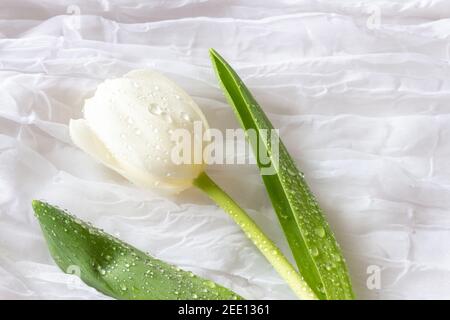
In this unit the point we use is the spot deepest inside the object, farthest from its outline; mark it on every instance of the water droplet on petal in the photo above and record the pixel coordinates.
(166, 117)
(185, 116)
(155, 109)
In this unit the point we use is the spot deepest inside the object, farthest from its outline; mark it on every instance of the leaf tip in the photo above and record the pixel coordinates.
(39, 208)
(215, 56)
(212, 52)
(36, 204)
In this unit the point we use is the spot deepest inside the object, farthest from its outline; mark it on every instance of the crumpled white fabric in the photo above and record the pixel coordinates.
(359, 90)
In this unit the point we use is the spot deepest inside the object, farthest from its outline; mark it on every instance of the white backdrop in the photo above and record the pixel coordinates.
(359, 91)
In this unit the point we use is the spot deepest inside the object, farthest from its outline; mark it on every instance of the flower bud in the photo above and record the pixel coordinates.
(128, 126)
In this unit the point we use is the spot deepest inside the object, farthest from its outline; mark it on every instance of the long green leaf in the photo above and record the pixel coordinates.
(311, 240)
(116, 268)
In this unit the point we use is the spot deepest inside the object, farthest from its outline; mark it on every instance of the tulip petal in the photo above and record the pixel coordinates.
(86, 139)
(131, 125)
(83, 136)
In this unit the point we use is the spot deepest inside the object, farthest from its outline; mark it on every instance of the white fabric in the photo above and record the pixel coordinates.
(360, 93)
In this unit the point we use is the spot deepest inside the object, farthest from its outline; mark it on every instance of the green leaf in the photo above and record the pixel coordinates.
(310, 238)
(272, 253)
(116, 268)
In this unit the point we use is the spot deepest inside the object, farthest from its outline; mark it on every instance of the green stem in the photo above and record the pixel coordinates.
(272, 253)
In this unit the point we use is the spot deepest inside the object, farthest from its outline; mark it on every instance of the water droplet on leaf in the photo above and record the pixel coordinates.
(320, 232)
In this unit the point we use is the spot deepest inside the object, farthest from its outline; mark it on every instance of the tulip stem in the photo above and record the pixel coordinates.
(272, 253)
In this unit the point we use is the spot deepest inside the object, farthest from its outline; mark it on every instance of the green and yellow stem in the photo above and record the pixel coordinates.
(272, 253)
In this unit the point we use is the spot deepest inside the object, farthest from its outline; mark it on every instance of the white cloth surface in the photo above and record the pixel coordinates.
(359, 90)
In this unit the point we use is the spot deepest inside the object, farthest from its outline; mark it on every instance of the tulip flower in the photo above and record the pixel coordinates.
(127, 126)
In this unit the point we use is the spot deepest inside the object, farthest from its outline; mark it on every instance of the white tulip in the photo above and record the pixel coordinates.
(127, 126)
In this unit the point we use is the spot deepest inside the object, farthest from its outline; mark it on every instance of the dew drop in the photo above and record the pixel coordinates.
(155, 109)
(291, 171)
(320, 288)
(166, 117)
(185, 116)
(320, 232)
